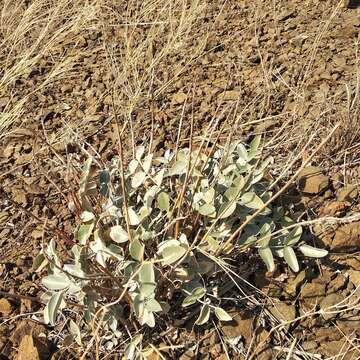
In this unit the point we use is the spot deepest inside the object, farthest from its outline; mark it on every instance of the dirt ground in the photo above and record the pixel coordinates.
(286, 69)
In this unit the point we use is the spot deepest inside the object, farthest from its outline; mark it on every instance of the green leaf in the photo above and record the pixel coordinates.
(204, 315)
(75, 331)
(39, 262)
(52, 307)
(148, 318)
(159, 177)
(139, 152)
(163, 201)
(139, 305)
(254, 147)
(172, 253)
(209, 196)
(147, 274)
(84, 233)
(85, 176)
(222, 315)
(147, 163)
(290, 258)
(241, 151)
(138, 179)
(130, 350)
(118, 234)
(265, 234)
(87, 216)
(178, 168)
(207, 210)
(147, 289)
(311, 251)
(195, 295)
(152, 305)
(268, 258)
(136, 249)
(56, 282)
(251, 200)
(294, 236)
(133, 165)
(227, 210)
(133, 218)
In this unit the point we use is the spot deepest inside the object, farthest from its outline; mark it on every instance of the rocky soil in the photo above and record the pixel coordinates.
(283, 69)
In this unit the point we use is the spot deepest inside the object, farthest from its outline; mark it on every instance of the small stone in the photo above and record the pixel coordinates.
(25, 306)
(294, 284)
(354, 277)
(188, 355)
(348, 193)
(32, 348)
(309, 345)
(347, 237)
(312, 180)
(240, 327)
(312, 293)
(231, 95)
(178, 98)
(350, 324)
(5, 307)
(327, 304)
(283, 312)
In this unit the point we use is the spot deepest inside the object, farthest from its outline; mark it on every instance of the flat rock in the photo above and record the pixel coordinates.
(311, 180)
(338, 350)
(311, 290)
(5, 307)
(354, 277)
(338, 283)
(240, 328)
(26, 327)
(32, 349)
(348, 193)
(178, 98)
(347, 237)
(350, 324)
(327, 304)
(283, 312)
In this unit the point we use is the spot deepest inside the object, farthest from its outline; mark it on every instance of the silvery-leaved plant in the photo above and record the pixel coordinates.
(147, 233)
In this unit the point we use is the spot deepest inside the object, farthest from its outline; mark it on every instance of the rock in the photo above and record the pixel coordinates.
(348, 193)
(231, 95)
(25, 306)
(188, 355)
(311, 180)
(5, 307)
(334, 208)
(350, 325)
(354, 277)
(32, 349)
(347, 237)
(327, 305)
(283, 312)
(337, 284)
(294, 284)
(178, 98)
(313, 289)
(323, 334)
(26, 327)
(309, 345)
(267, 354)
(240, 328)
(338, 350)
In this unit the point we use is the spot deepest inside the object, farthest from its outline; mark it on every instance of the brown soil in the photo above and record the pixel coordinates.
(286, 69)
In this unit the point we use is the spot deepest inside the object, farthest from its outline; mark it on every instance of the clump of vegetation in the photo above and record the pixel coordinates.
(153, 234)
